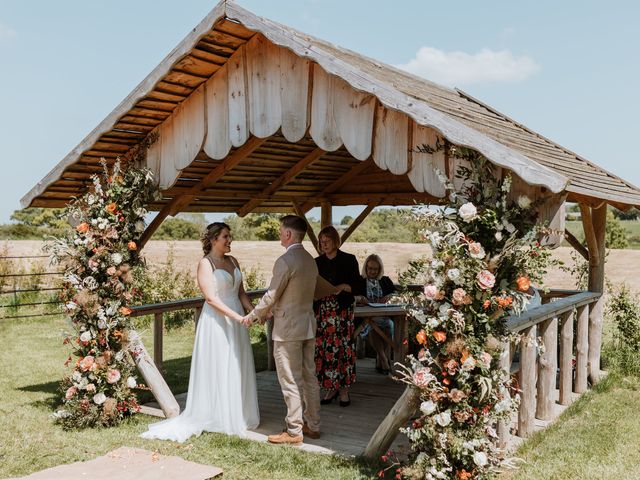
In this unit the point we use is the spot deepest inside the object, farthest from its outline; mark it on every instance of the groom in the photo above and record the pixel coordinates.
(290, 298)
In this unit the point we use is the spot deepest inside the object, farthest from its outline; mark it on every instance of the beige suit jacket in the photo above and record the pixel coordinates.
(290, 296)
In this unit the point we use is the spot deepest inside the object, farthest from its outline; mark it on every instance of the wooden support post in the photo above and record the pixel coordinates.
(152, 377)
(312, 236)
(575, 243)
(356, 223)
(527, 380)
(582, 349)
(397, 417)
(158, 330)
(326, 217)
(566, 359)
(196, 316)
(271, 363)
(596, 284)
(505, 366)
(547, 367)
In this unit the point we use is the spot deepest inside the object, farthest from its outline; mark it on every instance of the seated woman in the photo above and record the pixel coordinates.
(379, 289)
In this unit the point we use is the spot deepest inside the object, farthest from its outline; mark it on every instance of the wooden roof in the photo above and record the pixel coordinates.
(309, 123)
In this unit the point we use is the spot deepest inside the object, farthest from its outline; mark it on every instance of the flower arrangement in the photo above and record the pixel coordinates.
(486, 255)
(99, 258)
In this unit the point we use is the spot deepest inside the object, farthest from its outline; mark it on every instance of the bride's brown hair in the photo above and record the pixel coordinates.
(211, 233)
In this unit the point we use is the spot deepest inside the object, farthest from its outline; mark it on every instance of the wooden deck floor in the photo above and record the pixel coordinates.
(345, 430)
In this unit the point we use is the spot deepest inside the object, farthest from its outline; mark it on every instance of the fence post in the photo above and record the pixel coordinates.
(566, 358)
(526, 415)
(196, 316)
(157, 339)
(547, 367)
(582, 349)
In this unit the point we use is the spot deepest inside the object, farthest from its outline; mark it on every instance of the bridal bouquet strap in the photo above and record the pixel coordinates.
(99, 259)
(486, 255)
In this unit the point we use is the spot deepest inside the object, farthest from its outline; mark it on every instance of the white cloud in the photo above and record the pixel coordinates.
(6, 32)
(461, 68)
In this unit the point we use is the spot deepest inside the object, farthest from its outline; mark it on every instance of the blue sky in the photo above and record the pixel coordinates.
(568, 70)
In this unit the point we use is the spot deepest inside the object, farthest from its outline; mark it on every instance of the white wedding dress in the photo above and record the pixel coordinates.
(222, 394)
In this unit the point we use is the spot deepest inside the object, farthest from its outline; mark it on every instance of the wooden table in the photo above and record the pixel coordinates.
(398, 315)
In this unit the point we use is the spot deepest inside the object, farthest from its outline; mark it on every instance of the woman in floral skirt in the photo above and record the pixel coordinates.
(335, 346)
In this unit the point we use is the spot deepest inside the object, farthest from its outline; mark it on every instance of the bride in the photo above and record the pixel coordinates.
(222, 394)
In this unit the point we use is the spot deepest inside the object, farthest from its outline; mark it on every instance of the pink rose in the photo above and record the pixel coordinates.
(459, 296)
(91, 387)
(430, 291)
(486, 280)
(485, 359)
(71, 391)
(476, 250)
(457, 395)
(422, 377)
(87, 363)
(113, 375)
(111, 270)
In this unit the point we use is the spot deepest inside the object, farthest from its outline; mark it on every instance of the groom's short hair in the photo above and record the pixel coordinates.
(295, 223)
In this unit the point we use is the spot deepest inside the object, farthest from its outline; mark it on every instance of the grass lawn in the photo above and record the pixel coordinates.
(31, 358)
(631, 226)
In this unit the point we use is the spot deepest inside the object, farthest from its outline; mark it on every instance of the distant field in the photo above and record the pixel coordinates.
(622, 265)
(631, 226)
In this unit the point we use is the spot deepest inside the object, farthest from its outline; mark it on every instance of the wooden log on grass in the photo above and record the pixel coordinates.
(152, 376)
(388, 430)
(547, 367)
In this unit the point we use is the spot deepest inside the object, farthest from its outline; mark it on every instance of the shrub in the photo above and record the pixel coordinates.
(621, 353)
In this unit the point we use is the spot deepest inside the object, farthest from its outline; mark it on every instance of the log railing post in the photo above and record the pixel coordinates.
(582, 349)
(547, 367)
(271, 363)
(196, 316)
(158, 328)
(505, 366)
(566, 359)
(527, 380)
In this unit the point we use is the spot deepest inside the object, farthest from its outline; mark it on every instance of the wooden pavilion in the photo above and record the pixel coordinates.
(248, 115)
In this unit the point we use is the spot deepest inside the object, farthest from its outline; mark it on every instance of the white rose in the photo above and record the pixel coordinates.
(480, 459)
(427, 407)
(85, 337)
(99, 398)
(116, 258)
(510, 227)
(453, 274)
(524, 202)
(71, 306)
(468, 212)
(77, 376)
(443, 419)
(139, 225)
(498, 236)
(132, 382)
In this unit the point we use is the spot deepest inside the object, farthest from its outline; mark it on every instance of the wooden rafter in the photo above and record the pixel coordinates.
(301, 212)
(359, 168)
(575, 243)
(179, 202)
(287, 177)
(356, 223)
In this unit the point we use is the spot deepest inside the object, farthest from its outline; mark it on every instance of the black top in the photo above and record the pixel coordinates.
(343, 268)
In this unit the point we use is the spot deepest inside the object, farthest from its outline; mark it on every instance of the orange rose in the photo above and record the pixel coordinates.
(111, 208)
(83, 227)
(486, 304)
(421, 337)
(463, 474)
(125, 310)
(132, 245)
(523, 284)
(439, 336)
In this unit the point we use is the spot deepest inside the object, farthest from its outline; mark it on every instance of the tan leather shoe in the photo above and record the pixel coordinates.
(285, 438)
(307, 432)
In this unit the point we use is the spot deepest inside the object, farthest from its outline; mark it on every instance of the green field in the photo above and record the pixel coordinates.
(631, 226)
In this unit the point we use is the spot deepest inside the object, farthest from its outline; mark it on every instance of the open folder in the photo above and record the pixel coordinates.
(323, 288)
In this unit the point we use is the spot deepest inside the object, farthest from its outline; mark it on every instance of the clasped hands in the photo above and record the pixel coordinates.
(249, 319)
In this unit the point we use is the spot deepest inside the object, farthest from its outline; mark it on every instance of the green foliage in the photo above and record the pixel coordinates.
(346, 220)
(41, 217)
(615, 233)
(622, 353)
(387, 225)
(177, 229)
(631, 214)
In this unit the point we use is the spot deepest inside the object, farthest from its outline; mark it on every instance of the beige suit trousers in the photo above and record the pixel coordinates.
(296, 368)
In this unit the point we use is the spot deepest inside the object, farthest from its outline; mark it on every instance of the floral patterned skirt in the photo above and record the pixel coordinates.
(335, 346)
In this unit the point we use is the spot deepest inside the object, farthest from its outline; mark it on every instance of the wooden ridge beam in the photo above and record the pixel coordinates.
(286, 177)
(179, 202)
(356, 223)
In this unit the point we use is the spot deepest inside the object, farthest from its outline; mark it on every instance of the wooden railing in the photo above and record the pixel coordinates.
(537, 374)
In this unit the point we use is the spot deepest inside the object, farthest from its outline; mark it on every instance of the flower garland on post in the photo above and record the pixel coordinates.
(99, 258)
(486, 254)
